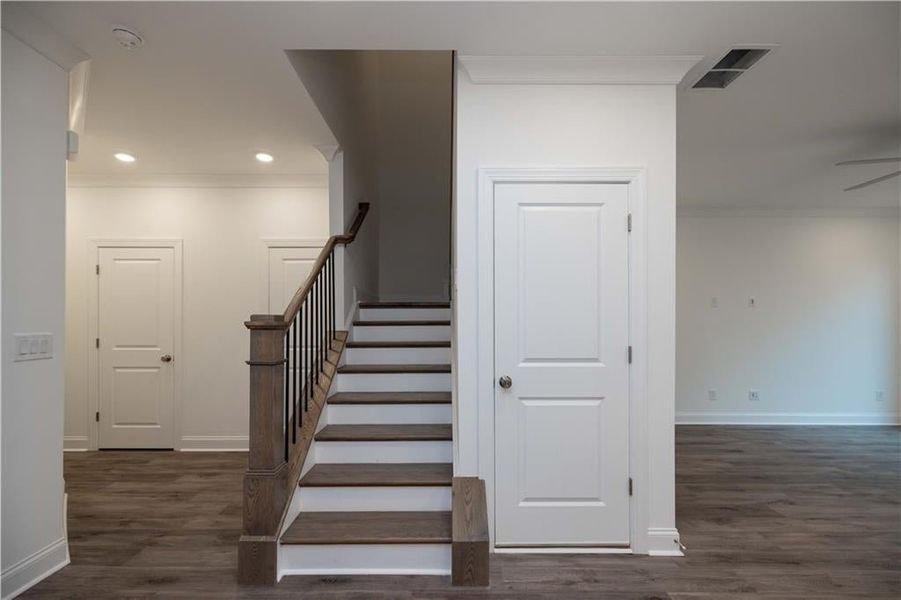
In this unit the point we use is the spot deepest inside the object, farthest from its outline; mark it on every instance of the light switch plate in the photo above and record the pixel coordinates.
(33, 346)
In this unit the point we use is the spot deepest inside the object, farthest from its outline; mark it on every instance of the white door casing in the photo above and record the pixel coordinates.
(138, 324)
(561, 335)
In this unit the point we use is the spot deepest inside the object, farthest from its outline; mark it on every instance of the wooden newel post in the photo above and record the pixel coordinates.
(265, 482)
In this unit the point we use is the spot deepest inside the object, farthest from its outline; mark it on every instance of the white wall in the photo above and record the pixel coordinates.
(35, 105)
(391, 113)
(823, 337)
(221, 229)
(503, 125)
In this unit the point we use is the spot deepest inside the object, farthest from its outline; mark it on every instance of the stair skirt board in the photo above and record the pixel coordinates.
(393, 382)
(375, 498)
(401, 333)
(404, 314)
(384, 452)
(397, 356)
(385, 414)
(364, 559)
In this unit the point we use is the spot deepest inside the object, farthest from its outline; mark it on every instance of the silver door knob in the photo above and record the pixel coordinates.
(505, 382)
(166, 358)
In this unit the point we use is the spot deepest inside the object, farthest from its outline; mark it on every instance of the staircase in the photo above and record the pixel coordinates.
(375, 489)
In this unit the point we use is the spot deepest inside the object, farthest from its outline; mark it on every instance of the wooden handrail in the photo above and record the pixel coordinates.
(304, 290)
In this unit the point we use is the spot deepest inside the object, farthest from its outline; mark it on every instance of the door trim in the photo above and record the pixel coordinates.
(634, 178)
(267, 244)
(93, 362)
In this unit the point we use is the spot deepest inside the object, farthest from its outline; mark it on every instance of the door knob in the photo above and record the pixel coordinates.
(166, 358)
(505, 382)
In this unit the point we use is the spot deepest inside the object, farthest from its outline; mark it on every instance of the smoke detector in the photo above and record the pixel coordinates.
(128, 38)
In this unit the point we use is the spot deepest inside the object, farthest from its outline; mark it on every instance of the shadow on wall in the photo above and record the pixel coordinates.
(391, 113)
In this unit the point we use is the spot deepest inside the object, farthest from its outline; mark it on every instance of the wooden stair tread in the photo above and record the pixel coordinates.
(364, 527)
(404, 304)
(405, 323)
(390, 398)
(378, 474)
(385, 433)
(413, 344)
(394, 368)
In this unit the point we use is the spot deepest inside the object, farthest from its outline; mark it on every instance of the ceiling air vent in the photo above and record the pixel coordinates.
(728, 68)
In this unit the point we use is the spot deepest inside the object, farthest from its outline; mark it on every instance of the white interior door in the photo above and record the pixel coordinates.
(136, 323)
(288, 268)
(561, 336)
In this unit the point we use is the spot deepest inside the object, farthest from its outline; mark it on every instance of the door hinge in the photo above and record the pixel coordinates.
(629, 222)
(630, 486)
(97, 269)
(97, 416)
(96, 342)
(630, 355)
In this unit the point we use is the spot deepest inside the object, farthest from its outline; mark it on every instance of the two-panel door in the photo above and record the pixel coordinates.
(561, 364)
(137, 291)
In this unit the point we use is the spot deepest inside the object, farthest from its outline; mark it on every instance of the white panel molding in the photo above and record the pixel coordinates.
(30, 30)
(38, 566)
(876, 212)
(639, 442)
(76, 443)
(585, 70)
(214, 443)
(93, 304)
(788, 419)
(266, 244)
(198, 180)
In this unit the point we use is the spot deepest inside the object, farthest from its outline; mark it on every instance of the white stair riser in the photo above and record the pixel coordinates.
(397, 356)
(359, 559)
(405, 314)
(387, 414)
(394, 382)
(384, 452)
(400, 333)
(375, 498)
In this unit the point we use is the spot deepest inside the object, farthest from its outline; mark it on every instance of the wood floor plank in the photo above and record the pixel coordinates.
(767, 513)
(378, 527)
(385, 433)
(378, 474)
(390, 398)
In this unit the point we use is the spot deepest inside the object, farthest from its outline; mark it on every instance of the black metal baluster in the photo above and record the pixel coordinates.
(287, 380)
(296, 363)
(323, 353)
(331, 275)
(308, 390)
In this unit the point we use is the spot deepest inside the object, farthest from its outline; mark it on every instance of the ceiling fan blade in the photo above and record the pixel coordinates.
(872, 181)
(868, 161)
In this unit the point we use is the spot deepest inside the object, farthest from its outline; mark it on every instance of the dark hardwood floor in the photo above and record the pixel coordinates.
(765, 513)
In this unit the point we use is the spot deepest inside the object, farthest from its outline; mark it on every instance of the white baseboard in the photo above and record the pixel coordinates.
(351, 316)
(761, 418)
(663, 542)
(75, 443)
(214, 443)
(32, 569)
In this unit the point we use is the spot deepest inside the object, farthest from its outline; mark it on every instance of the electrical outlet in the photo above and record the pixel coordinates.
(880, 396)
(711, 395)
(752, 302)
(754, 396)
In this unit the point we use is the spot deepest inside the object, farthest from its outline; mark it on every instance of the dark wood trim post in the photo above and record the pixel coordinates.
(265, 482)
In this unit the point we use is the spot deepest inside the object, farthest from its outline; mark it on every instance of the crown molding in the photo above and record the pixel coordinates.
(590, 70)
(878, 212)
(328, 151)
(31, 31)
(196, 180)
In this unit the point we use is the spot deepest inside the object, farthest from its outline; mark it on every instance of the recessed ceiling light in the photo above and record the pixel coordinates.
(264, 157)
(124, 157)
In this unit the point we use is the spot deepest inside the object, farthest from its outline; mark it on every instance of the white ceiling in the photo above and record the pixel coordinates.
(212, 84)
